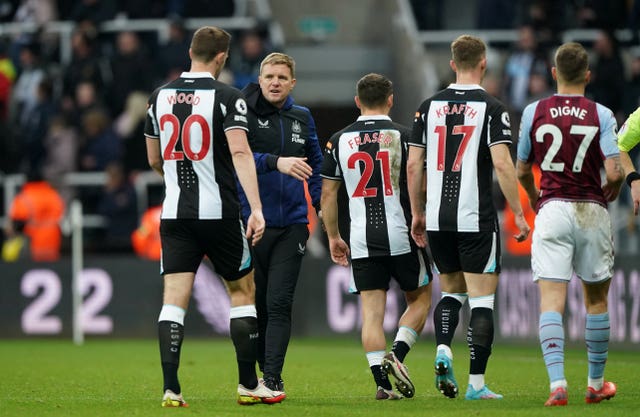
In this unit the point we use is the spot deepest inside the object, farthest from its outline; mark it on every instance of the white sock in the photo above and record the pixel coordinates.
(476, 381)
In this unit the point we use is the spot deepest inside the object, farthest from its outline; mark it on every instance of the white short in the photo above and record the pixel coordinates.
(572, 237)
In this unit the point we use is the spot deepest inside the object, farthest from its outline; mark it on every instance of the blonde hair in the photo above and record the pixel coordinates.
(467, 51)
(278, 58)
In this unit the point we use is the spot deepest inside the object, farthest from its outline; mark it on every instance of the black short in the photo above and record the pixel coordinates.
(186, 242)
(474, 252)
(411, 270)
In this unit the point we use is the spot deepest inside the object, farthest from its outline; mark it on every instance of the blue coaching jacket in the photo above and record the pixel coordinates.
(273, 132)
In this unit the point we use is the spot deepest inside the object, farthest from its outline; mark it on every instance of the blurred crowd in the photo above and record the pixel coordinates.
(87, 114)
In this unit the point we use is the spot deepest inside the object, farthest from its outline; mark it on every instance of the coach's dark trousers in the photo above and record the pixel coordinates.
(277, 260)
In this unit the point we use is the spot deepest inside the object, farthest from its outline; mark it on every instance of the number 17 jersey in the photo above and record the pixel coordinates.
(457, 126)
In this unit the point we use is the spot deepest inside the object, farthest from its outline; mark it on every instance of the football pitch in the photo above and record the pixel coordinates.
(323, 377)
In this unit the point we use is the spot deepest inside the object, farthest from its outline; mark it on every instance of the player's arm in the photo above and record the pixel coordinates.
(154, 154)
(614, 176)
(417, 194)
(506, 174)
(329, 206)
(525, 176)
(246, 171)
(632, 179)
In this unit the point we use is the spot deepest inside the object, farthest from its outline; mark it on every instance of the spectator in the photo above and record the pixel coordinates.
(25, 92)
(129, 126)
(96, 11)
(173, 55)
(119, 206)
(7, 78)
(131, 70)
(146, 238)
(604, 87)
(101, 145)
(246, 64)
(36, 212)
(85, 66)
(61, 153)
(35, 125)
(525, 60)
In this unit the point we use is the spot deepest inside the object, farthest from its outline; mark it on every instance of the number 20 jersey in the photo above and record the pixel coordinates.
(190, 116)
(457, 126)
(568, 136)
(370, 157)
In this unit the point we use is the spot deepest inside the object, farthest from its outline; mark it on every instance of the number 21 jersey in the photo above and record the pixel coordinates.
(370, 157)
(190, 116)
(457, 126)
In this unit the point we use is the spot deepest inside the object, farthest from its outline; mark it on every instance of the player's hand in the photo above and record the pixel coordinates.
(611, 191)
(418, 230)
(255, 227)
(295, 167)
(523, 226)
(635, 196)
(339, 251)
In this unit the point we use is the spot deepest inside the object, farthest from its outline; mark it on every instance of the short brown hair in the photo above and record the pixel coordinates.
(373, 90)
(209, 41)
(572, 63)
(278, 58)
(467, 51)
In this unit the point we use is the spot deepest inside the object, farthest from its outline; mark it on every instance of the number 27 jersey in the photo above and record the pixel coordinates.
(568, 136)
(457, 126)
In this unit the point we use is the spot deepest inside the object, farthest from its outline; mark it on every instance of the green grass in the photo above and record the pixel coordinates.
(323, 378)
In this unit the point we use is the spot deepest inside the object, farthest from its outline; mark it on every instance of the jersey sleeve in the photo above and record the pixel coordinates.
(629, 134)
(234, 111)
(330, 166)
(499, 124)
(608, 131)
(151, 126)
(417, 133)
(524, 138)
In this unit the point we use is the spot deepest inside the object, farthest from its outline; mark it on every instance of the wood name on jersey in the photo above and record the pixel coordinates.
(463, 108)
(382, 137)
(184, 98)
(574, 111)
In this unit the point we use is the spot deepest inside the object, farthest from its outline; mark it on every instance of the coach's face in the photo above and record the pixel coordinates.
(276, 82)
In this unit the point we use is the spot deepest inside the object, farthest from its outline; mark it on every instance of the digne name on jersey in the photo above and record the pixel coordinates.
(578, 112)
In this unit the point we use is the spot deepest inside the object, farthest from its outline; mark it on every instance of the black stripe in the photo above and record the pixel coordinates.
(450, 191)
(188, 201)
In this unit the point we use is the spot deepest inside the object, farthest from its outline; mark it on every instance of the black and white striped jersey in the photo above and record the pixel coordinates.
(457, 126)
(190, 116)
(370, 157)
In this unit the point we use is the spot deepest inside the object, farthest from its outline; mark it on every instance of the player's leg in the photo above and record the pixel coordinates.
(480, 333)
(597, 332)
(284, 268)
(181, 256)
(177, 291)
(480, 259)
(231, 258)
(594, 265)
(551, 335)
(373, 339)
(444, 248)
(413, 273)
(552, 254)
(371, 278)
